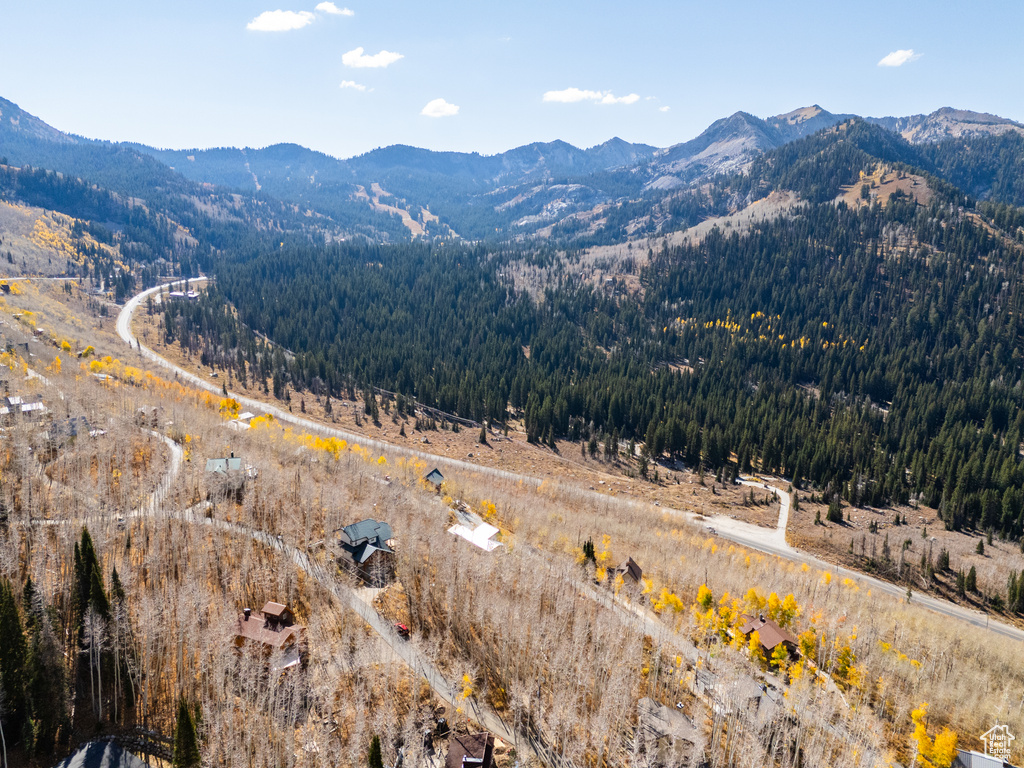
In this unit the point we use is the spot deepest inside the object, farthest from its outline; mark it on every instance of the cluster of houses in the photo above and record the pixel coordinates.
(15, 407)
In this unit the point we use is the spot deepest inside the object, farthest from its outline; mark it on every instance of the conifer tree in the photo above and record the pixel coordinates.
(46, 691)
(13, 652)
(186, 742)
(374, 759)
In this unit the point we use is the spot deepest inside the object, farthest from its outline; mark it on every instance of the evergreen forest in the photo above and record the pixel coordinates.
(869, 351)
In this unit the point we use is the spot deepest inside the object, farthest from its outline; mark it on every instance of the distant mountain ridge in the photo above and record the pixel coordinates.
(947, 123)
(728, 145)
(538, 160)
(14, 120)
(515, 193)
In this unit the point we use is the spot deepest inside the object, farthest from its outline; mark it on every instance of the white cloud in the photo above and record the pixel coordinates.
(333, 9)
(899, 58)
(573, 95)
(631, 98)
(280, 21)
(358, 59)
(664, 109)
(439, 108)
(353, 85)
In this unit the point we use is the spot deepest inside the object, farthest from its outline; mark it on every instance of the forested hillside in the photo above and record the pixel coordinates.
(871, 350)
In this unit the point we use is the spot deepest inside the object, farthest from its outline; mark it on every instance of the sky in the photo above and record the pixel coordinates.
(349, 76)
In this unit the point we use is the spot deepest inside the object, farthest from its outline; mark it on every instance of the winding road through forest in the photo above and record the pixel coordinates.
(767, 540)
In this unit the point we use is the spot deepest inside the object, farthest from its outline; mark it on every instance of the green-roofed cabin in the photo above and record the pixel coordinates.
(226, 477)
(435, 478)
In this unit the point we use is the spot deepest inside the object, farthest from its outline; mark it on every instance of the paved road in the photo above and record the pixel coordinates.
(153, 503)
(770, 541)
(26, 279)
(124, 320)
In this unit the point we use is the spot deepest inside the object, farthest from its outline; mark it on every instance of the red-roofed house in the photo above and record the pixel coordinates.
(272, 630)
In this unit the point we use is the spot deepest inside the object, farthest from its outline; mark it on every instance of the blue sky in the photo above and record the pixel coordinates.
(189, 74)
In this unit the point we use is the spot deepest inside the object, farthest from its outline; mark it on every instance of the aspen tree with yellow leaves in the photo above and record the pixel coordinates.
(932, 753)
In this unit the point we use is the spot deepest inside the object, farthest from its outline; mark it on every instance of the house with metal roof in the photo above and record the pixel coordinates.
(969, 759)
(367, 551)
(481, 536)
(227, 476)
(435, 478)
(102, 754)
(16, 406)
(231, 463)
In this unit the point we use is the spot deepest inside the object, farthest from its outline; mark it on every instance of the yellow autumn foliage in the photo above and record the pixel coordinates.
(932, 754)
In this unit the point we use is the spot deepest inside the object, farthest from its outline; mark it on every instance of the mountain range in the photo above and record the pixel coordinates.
(400, 191)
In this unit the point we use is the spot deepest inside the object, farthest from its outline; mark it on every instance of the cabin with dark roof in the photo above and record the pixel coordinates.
(70, 429)
(367, 551)
(630, 572)
(435, 478)
(470, 750)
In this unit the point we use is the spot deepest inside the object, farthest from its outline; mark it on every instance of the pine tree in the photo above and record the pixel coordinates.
(588, 551)
(971, 584)
(97, 596)
(374, 759)
(46, 691)
(835, 510)
(186, 742)
(13, 651)
(28, 603)
(116, 589)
